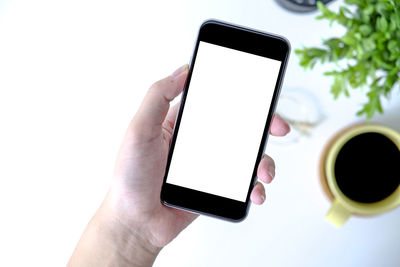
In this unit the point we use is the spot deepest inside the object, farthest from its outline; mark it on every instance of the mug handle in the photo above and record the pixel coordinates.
(337, 214)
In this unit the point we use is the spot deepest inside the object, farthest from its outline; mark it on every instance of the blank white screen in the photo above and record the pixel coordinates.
(222, 124)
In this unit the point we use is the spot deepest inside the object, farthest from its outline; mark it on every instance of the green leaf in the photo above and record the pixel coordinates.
(368, 44)
(394, 56)
(382, 7)
(374, 104)
(331, 73)
(381, 24)
(345, 11)
(360, 51)
(393, 46)
(349, 39)
(369, 10)
(365, 29)
(325, 12)
(338, 87)
(309, 57)
(398, 62)
(359, 3)
(393, 25)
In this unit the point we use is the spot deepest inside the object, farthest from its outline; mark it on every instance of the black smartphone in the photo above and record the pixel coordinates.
(222, 126)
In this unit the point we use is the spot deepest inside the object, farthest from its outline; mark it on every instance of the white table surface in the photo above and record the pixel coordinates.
(72, 73)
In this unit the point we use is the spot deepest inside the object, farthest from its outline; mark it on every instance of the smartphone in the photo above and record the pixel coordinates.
(222, 125)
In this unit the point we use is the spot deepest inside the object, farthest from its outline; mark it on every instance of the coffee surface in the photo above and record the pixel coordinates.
(367, 168)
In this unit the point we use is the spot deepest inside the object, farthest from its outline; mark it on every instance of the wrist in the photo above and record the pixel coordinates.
(110, 241)
(127, 239)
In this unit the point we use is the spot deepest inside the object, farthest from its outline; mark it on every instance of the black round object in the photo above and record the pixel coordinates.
(367, 168)
(301, 5)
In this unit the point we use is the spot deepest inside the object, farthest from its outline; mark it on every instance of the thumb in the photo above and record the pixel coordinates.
(155, 105)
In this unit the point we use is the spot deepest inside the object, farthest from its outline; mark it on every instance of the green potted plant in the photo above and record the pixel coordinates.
(366, 56)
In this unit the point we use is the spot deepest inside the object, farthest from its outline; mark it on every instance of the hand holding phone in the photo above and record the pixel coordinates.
(132, 210)
(231, 92)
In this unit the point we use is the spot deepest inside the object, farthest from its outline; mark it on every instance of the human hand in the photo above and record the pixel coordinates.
(143, 156)
(133, 200)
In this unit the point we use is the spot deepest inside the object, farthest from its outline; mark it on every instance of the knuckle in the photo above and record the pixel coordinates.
(156, 86)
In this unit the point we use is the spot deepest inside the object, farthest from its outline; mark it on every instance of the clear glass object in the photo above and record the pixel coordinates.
(301, 109)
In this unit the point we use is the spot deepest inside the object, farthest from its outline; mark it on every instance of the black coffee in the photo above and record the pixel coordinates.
(367, 168)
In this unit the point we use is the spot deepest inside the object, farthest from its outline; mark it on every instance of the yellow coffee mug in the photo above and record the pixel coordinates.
(342, 206)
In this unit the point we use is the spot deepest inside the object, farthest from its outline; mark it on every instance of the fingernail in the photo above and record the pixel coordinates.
(180, 70)
(287, 127)
(262, 198)
(271, 170)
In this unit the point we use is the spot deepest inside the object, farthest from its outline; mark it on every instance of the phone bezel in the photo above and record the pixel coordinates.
(246, 40)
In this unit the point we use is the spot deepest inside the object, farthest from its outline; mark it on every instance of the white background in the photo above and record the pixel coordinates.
(72, 74)
(223, 121)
